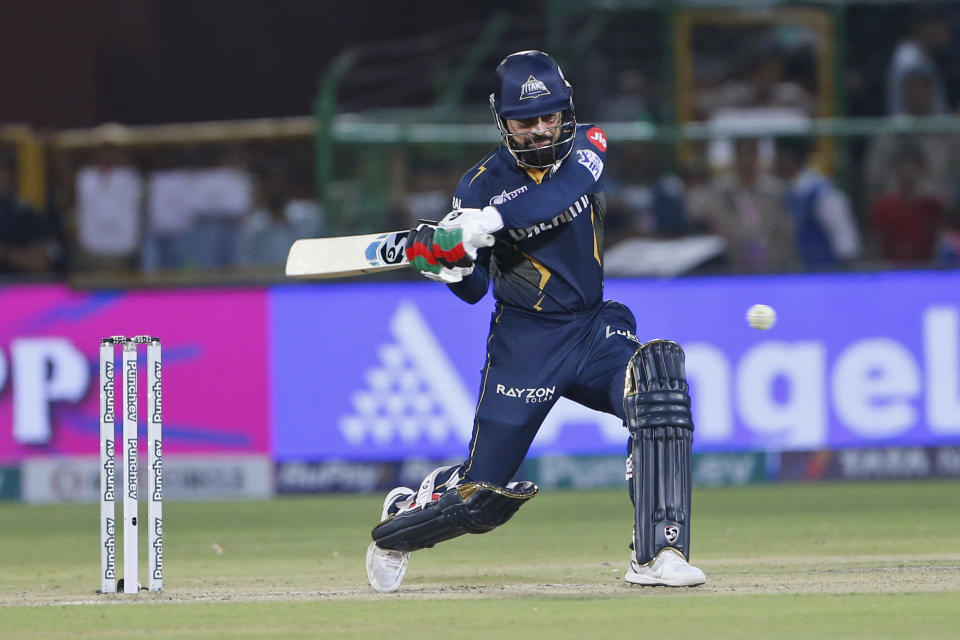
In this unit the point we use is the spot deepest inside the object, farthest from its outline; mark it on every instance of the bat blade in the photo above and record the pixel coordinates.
(321, 258)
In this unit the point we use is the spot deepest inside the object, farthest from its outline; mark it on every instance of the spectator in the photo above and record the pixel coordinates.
(630, 101)
(765, 91)
(762, 83)
(26, 240)
(697, 186)
(428, 197)
(268, 231)
(109, 199)
(642, 200)
(929, 34)
(746, 208)
(171, 206)
(947, 251)
(906, 222)
(224, 195)
(940, 150)
(825, 231)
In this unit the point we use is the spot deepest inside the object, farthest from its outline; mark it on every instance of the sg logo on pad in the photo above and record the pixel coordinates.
(671, 533)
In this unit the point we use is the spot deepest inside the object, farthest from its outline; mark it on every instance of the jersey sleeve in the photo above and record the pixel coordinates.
(467, 195)
(473, 287)
(582, 172)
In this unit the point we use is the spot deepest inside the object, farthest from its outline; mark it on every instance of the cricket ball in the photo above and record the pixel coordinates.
(761, 316)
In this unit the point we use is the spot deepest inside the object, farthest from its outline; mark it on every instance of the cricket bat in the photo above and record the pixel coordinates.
(340, 257)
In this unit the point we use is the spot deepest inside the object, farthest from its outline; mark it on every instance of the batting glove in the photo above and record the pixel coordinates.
(462, 232)
(420, 248)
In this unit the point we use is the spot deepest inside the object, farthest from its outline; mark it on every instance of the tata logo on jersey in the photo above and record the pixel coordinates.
(529, 395)
(506, 196)
(597, 138)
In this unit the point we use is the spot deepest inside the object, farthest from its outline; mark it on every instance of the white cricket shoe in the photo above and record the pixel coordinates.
(386, 567)
(668, 568)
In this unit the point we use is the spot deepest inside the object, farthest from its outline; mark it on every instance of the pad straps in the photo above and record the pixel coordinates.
(473, 507)
(426, 492)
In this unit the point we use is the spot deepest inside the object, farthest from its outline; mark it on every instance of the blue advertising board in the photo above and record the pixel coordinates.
(375, 371)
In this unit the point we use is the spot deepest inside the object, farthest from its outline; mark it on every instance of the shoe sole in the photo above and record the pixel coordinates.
(659, 582)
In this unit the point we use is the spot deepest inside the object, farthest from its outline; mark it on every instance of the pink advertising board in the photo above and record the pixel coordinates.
(215, 391)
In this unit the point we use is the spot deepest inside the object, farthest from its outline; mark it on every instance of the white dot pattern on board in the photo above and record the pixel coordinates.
(397, 405)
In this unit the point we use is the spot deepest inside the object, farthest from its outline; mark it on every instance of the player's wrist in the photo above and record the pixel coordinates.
(490, 219)
(473, 221)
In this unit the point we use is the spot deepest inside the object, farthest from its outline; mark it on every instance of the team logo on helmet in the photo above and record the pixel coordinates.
(671, 533)
(533, 88)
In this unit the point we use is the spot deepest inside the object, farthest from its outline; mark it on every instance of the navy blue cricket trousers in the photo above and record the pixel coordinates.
(534, 359)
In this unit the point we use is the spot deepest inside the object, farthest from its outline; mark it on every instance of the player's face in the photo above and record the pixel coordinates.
(535, 133)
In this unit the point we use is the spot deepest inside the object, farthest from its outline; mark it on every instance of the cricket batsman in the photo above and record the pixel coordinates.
(540, 193)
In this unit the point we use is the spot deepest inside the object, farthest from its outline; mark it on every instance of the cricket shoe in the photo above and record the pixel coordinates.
(668, 568)
(386, 567)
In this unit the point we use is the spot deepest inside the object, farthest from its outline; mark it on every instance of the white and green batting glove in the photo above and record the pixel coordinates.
(420, 249)
(462, 232)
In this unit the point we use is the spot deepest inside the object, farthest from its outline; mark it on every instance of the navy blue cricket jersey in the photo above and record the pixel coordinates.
(551, 335)
(548, 256)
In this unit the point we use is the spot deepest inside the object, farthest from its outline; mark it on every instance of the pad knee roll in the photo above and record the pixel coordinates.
(655, 387)
(473, 507)
(657, 408)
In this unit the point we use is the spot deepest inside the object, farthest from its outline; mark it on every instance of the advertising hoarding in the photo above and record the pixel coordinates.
(214, 367)
(389, 371)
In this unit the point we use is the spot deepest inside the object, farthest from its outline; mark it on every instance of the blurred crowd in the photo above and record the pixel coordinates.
(201, 213)
(778, 211)
(116, 209)
(779, 203)
(28, 240)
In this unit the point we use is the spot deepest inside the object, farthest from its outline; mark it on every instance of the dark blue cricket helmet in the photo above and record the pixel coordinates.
(531, 84)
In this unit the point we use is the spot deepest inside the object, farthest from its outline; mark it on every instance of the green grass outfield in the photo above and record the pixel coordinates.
(798, 561)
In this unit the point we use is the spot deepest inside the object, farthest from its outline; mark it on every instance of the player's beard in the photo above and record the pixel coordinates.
(528, 153)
